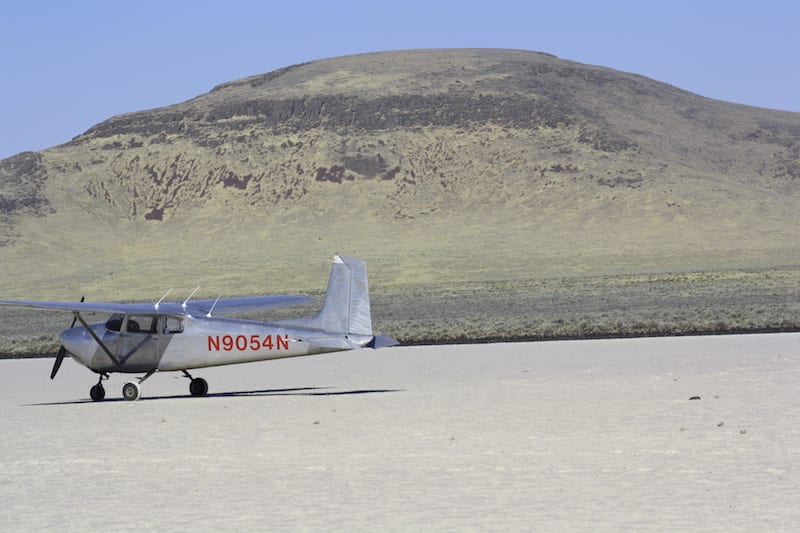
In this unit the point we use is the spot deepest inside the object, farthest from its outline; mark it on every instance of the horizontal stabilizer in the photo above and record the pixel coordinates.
(330, 343)
(382, 341)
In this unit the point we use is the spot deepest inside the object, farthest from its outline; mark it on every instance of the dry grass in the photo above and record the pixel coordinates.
(554, 308)
(607, 306)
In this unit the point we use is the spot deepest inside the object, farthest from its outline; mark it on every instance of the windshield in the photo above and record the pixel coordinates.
(114, 323)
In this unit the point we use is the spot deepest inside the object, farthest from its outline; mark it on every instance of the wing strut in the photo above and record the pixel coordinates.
(97, 339)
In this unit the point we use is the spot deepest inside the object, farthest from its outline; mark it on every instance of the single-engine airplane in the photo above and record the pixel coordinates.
(173, 336)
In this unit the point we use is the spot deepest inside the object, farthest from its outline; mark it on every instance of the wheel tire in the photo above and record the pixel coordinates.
(98, 393)
(198, 387)
(131, 391)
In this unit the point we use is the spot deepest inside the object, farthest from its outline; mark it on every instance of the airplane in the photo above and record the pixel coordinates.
(146, 338)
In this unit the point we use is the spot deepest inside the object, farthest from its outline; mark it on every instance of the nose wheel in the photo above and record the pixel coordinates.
(131, 391)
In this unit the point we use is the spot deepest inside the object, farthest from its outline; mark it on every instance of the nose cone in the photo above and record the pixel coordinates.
(79, 344)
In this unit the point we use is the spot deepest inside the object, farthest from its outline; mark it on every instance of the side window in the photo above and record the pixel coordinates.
(142, 324)
(173, 325)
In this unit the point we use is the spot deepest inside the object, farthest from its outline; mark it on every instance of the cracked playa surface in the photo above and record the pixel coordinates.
(576, 435)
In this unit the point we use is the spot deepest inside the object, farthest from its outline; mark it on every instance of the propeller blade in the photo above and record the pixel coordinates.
(59, 359)
(62, 351)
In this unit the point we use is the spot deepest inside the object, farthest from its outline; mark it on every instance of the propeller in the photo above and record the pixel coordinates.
(62, 352)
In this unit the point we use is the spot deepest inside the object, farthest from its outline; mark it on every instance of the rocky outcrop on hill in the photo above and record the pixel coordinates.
(443, 126)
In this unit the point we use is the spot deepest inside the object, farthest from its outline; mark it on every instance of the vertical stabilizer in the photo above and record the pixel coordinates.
(345, 310)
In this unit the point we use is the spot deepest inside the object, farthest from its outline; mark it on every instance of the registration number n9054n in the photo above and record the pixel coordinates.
(243, 343)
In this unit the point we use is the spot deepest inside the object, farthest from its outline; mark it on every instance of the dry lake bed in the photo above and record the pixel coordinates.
(576, 435)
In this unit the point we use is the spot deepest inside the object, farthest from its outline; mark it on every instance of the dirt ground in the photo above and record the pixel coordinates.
(576, 435)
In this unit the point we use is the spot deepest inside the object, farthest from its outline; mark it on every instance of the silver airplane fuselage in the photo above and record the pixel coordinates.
(182, 343)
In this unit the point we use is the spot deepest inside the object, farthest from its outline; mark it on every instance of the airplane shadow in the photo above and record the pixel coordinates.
(301, 391)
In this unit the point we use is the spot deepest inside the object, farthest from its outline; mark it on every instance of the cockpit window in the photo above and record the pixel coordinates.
(145, 324)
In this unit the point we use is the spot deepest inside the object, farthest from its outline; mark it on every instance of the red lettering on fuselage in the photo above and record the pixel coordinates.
(213, 343)
(243, 343)
(283, 342)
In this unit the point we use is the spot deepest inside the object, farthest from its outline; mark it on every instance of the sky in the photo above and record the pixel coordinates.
(65, 66)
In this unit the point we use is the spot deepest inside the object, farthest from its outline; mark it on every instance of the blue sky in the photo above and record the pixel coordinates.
(69, 65)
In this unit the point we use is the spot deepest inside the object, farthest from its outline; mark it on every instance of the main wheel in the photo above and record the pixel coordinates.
(131, 391)
(198, 387)
(98, 393)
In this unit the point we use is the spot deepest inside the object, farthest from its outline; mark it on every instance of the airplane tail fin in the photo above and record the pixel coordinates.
(346, 310)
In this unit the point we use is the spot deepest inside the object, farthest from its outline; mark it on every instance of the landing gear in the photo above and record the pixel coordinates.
(98, 393)
(197, 386)
(131, 391)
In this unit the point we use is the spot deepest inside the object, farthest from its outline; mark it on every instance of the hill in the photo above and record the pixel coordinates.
(443, 169)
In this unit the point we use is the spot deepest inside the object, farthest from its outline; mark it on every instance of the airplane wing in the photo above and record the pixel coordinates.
(244, 303)
(197, 307)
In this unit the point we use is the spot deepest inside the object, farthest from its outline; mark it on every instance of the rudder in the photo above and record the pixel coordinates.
(346, 309)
